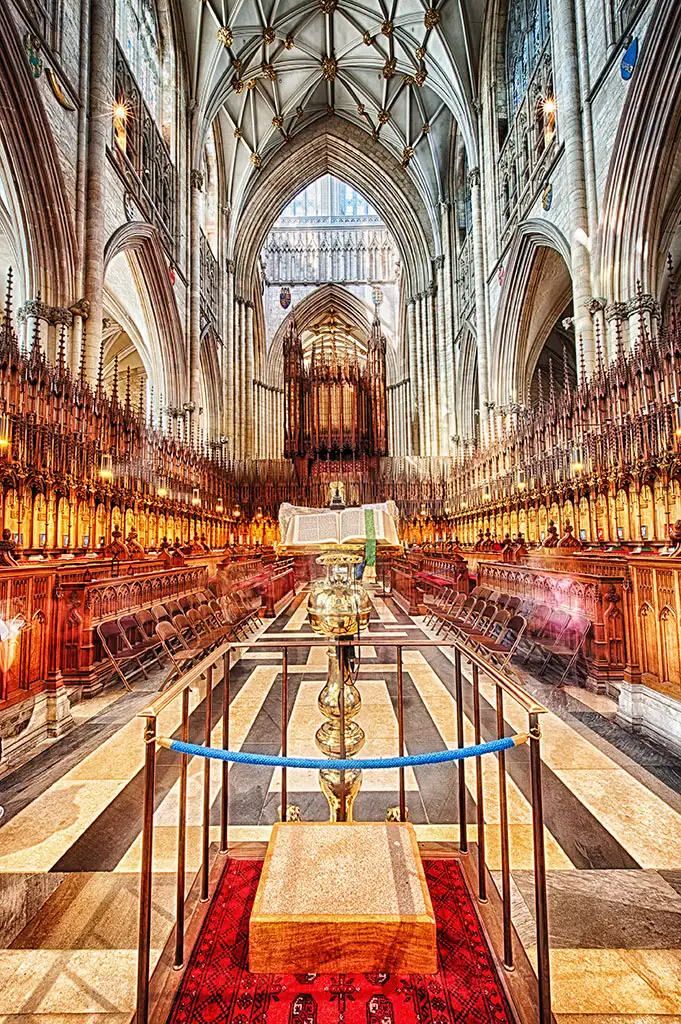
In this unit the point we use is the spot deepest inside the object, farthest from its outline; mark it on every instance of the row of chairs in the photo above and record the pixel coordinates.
(178, 631)
(502, 626)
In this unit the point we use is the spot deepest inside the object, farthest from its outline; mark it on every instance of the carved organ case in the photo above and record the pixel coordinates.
(335, 394)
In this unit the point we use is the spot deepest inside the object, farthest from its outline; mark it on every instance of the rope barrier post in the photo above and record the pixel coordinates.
(541, 904)
(181, 839)
(458, 687)
(479, 792)
(205, 824)
(505, 846)
(224, 791)
(341, 708)
(284, 728)
(400, 733)
(144, 938)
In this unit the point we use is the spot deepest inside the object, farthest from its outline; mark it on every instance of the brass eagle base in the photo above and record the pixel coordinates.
(339, 608)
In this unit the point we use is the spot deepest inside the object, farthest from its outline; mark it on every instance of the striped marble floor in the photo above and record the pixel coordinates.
(70, 841)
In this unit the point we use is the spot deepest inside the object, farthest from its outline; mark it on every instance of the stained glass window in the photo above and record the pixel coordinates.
(527, 31)
(137, 33)
(330, 199)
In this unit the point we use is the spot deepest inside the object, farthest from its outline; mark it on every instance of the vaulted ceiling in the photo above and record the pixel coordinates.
(398, 69)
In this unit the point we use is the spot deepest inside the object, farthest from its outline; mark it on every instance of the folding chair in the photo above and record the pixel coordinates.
(120, 653)
(478, 626)
(144, 646)
(500, 649)
(567, 645)
(160, 613)
(553, 630)
(181, 655)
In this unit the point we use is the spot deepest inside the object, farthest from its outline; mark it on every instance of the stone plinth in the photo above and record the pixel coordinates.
(342, 897)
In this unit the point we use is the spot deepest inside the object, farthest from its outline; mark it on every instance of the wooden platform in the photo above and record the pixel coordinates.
(342, 897)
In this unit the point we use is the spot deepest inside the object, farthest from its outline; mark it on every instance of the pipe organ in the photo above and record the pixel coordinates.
(335, 396)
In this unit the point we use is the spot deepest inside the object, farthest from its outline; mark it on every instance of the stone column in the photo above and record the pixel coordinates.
(641, 311)
(238, 375)
(569, 119)
(98, 137)
(248, 379)
(444, 383)
(480, 300)
(434, 369)
(195, 286)
(413, 375)
(228, 379)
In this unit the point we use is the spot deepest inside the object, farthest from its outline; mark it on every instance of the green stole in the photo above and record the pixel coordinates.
(370, 530)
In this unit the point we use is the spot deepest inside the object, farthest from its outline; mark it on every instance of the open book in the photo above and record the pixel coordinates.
(316, 527)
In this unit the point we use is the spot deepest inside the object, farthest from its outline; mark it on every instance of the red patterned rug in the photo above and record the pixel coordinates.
(218, 988)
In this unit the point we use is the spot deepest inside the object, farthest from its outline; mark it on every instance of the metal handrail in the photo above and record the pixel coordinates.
(503, 686)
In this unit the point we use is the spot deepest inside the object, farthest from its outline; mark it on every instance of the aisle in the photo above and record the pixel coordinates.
(70, 842)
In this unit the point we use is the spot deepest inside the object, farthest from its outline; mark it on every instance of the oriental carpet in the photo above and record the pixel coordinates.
(218, 988)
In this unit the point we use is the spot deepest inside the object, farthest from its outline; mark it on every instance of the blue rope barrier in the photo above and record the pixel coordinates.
(277, 761)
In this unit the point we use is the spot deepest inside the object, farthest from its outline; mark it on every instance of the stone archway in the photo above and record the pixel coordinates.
(536, 290)
(37, 186)
(164, 353)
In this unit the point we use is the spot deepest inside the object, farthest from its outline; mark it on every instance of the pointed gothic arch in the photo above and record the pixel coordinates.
(142, 245)
(37, 185)
(341, 149)
(539, 253)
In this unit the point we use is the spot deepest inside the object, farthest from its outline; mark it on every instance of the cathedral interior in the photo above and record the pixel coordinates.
(340, 554)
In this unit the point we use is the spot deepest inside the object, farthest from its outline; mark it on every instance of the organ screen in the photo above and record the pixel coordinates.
(335, 397)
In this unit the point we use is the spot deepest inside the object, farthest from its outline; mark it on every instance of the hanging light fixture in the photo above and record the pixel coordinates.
(521, 481)
(219, 506)
(236, 512)
(486, 492)
(196, 496)
(106, 467)
(678, 420)
(5, 430)
(162, 489)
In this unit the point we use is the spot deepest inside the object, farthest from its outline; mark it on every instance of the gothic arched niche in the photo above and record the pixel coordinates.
(545, 325)
(556, 359)
(139, 296)
(316, 309)
(536, 291)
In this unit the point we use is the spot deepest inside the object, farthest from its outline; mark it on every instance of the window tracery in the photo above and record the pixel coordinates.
(527, 126)
(142, 121)
(138, 35)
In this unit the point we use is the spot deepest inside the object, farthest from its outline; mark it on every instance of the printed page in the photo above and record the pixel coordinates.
(352, 525)
(319, 529)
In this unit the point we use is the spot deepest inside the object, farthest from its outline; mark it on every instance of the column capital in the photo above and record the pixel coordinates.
(616, 311)
(595, 305)
(196, 178)
(644, 303)
(52, 314)
(474, 177)
(439, 262)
